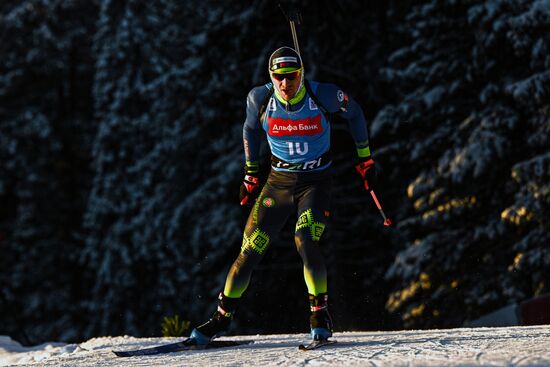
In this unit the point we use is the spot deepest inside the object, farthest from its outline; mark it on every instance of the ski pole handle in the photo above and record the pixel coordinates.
(387, 221)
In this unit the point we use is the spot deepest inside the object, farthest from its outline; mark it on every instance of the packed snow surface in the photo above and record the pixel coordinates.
(512, 346)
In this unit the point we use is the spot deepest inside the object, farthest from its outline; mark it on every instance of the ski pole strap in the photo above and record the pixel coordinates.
(316, 163)
(250, 183)
(363, 167)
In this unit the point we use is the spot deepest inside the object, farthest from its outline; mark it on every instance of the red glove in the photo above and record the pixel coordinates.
(368, 172)
(249, 189)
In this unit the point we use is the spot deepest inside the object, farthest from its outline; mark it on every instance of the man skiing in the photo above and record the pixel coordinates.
(294, 114)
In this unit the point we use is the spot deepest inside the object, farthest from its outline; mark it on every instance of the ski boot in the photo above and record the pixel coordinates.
(218, 323)
(320, 320)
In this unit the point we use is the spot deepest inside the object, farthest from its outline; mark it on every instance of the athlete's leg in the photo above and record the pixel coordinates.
(313, 209)
(313, 212)
(266, 219)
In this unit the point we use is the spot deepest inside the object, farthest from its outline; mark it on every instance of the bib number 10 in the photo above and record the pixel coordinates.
(297, 148)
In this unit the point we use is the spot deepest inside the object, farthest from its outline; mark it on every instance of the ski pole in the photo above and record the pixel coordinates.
(293, 19)
(387, 221)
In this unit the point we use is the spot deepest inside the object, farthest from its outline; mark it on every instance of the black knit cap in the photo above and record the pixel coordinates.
(284, 60)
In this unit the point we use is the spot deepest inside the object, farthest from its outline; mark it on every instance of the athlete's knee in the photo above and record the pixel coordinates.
(246, 262)
(257, 242)
(309, 225)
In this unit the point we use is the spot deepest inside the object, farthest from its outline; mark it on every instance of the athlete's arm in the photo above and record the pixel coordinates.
(252, 128)
(337, 101)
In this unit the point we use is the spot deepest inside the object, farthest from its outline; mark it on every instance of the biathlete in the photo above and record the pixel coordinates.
(294, 114)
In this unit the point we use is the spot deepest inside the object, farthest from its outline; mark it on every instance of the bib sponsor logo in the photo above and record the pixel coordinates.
(315, 163)
(285, 127)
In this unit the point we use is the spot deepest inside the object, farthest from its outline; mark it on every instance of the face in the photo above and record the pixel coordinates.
(287, 84)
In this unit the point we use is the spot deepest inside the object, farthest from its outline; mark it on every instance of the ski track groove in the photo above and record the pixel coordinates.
(519, 360)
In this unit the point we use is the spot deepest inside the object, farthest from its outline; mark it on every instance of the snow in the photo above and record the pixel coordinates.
(512, 346)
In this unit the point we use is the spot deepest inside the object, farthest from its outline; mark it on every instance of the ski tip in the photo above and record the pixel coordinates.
(316, 344)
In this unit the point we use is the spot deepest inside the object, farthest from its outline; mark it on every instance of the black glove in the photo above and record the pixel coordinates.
(367, 171)
(249, 189)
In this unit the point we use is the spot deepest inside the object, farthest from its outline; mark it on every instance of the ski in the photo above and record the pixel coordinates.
(316, 344)
(187, 344)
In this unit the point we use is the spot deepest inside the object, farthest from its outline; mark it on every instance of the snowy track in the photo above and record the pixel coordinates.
(517, 346)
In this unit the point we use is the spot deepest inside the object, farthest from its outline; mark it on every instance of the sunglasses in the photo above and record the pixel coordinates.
(290, 76)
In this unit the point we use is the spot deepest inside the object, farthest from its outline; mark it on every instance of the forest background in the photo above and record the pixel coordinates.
(121, 158)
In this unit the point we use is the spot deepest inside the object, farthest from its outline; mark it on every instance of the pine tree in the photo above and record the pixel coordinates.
(463, 83)
(45, 71)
